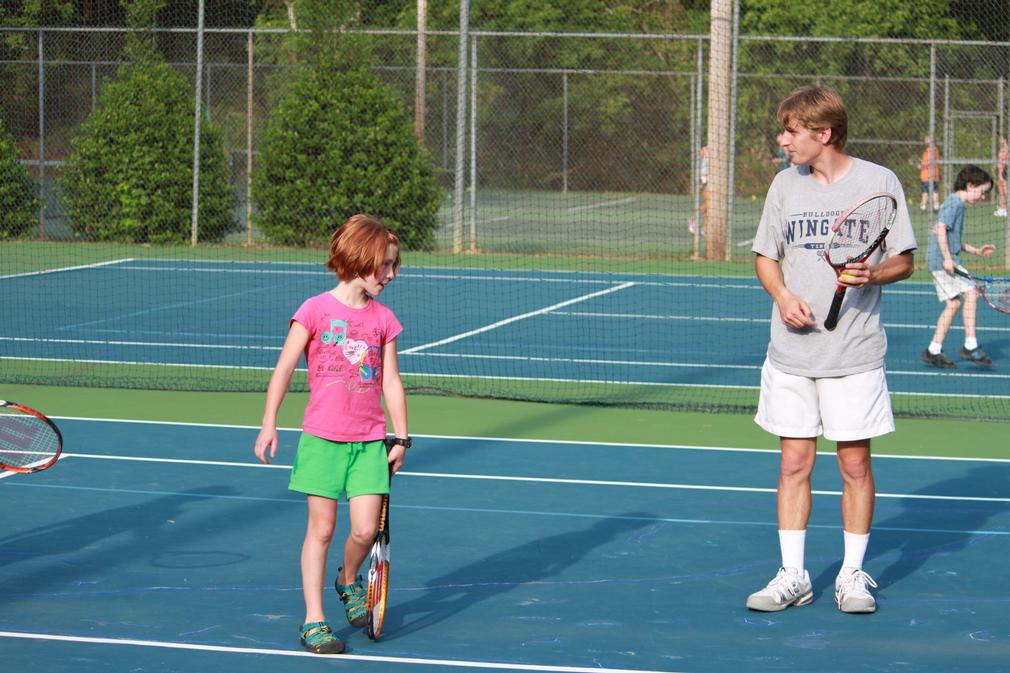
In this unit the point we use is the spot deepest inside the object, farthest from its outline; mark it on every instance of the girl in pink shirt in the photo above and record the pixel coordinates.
(349, 341)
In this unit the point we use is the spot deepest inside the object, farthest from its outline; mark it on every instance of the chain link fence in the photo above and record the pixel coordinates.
(583, 152)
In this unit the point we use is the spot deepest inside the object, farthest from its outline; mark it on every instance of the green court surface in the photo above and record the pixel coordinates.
(440, 415)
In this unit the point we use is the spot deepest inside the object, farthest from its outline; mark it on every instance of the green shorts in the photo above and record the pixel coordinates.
(330, 468)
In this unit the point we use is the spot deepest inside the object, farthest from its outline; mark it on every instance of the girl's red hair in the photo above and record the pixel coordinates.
(358, 247)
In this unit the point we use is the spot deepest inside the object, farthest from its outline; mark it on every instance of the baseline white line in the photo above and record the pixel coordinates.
(647, 316)
(301, 653)
(544, 480)
(67, 268)
(162, 344)
(606, 204)
(515, 318)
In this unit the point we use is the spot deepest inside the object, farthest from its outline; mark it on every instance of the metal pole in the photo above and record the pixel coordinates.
(195, 224)
(249, 140)
(564, 133)
(460, 167)
(948, 127)
(473, 145)
(932, 122)
(699, 134)
(42, 138)
(445, 119)
(420, 79)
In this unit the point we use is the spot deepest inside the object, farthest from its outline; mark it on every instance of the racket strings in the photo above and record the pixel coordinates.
(998, 294)
(860, 230)
(26, 441)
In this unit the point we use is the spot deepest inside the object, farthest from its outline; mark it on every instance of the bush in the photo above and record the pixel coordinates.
(129, 177)
(340, 143)
(19, 205)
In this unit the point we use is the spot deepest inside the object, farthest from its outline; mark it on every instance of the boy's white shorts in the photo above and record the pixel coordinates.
(949, 285)
(842, 408)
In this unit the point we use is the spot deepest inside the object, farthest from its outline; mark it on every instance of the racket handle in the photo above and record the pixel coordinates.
(836, 306)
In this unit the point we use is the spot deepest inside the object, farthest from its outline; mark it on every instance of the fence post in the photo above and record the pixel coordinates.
(249, 139)
(564, 132)
(42, 137)
(731, 161)
(718, 129)
(932, 122)
(195, 226)
(460, 163)
(473, 144)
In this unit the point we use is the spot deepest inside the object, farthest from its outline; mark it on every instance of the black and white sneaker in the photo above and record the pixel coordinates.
(939, 360)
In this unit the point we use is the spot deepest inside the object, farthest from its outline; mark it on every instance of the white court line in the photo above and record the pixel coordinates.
(108, 342)
(515, 318)
(302, 653)
(605, 204)
(542, 480)
(518, 440)
(67, 268)
(697, 318)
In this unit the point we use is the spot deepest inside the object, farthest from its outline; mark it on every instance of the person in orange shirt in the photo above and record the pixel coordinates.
(929, 165)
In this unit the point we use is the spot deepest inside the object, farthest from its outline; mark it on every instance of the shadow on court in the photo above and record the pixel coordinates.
(483, 579)
(80, 547)
(925, 528)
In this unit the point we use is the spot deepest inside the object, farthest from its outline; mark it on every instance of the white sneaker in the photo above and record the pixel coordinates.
(852, 591)
(1000, 212)
(789, 587)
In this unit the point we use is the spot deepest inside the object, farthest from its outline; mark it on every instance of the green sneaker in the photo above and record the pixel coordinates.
(353, 598)
(318, 637)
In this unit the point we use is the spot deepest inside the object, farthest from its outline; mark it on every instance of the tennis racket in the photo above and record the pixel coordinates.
(378, 574)
(29, 442)
(854, 236)
(995, 291)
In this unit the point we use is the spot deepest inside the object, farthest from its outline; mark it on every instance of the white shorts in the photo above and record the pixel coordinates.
(843, 408)
(949, 285)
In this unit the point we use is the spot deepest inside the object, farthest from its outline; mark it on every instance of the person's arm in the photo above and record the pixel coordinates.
(794, 311)
(941, 242)
(294, 346)
(892, 269)
(984, 251)
(396, 402)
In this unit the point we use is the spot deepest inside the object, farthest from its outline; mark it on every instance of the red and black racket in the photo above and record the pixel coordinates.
(854, 236)
(378, 574)
(29, 442)
(995, 291)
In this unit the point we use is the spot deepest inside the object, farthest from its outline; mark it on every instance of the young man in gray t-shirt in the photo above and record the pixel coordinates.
(816, 381)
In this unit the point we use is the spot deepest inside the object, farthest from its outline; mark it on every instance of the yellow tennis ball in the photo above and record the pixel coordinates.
(846, 276)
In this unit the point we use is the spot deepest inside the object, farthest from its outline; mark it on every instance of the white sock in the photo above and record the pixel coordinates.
(791, 542)
(971, 343)
(855, 549)
(935, 348)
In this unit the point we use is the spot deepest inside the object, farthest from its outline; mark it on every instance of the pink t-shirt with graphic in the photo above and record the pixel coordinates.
(344, 356)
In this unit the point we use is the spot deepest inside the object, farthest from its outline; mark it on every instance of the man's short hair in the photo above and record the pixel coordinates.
(816, 108)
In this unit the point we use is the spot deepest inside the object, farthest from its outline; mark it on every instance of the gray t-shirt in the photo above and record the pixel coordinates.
(798, 214)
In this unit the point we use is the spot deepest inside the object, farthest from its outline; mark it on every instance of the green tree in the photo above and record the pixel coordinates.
(19, 205)
(129, 176)
(340, 142)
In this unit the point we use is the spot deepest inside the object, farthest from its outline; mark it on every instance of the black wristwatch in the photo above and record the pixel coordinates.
(393, 441)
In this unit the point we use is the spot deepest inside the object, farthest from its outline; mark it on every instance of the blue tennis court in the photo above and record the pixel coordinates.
(569, 327)
(162, 546)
